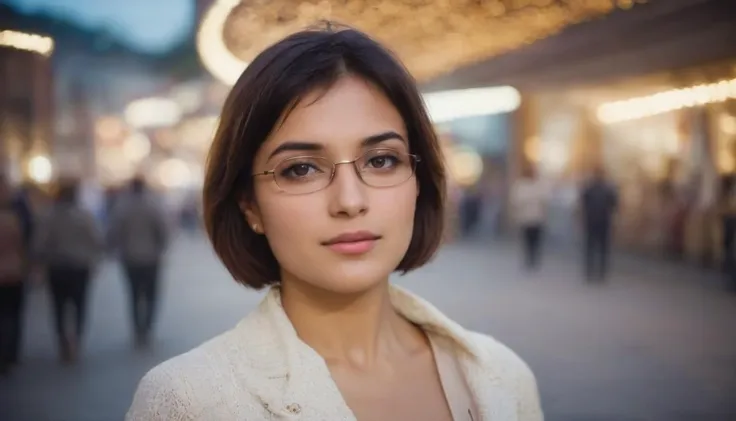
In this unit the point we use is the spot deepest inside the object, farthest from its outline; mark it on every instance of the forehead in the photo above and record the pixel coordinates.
(347, 112)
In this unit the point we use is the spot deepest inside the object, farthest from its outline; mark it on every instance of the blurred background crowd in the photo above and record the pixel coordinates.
(587, 142)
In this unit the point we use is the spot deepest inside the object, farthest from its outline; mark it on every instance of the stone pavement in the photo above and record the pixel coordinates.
(655, 343)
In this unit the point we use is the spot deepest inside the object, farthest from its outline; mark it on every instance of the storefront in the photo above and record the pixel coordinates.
(26, 106)
(477, 161)
(664, 148)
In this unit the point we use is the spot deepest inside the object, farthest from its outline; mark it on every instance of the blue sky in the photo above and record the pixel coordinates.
(147, 25)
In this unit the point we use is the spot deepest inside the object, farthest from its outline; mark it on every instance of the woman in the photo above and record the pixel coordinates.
(69, 244)
(324, 178)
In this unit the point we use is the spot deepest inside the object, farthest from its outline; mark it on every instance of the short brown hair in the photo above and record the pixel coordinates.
(267, 91)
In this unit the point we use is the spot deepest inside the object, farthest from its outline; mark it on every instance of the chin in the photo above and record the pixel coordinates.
(352, 284)
(351, 278)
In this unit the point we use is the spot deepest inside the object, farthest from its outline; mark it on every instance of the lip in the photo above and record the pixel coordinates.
(358, 242)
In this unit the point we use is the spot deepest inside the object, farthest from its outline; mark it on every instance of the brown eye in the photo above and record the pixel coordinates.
(378, 162)
(382, 162)
(300, 170)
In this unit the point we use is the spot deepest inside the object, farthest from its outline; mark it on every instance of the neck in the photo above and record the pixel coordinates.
(359, 329)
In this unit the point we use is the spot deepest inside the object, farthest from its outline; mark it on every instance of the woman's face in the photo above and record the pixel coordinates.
(350, 120)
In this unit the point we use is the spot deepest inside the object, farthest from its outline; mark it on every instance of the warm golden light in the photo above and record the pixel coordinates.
(113, 165)
(727, 124)
(446, 106)
(215, 56)
(726, 162)
(531, 149)
(40, 169)
(153, 112)
(136, 147)
(197, 133)
(174, 173)
(465, 165)
(667, 101)
(109, 129)
(29, 42)
(431, 37)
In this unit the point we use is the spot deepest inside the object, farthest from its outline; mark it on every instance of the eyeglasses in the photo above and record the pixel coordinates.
(375, 168)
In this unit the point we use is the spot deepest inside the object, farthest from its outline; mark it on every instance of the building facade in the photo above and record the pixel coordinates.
(26, 104)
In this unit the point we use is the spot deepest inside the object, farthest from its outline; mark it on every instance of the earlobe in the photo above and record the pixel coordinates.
(252, 215)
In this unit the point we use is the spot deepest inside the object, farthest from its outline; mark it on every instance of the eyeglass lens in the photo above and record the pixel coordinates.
(376, 168)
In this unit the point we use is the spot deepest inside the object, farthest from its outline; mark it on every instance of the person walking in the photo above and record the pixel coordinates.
(13, 273)
(69, 244)
(138, 231)
(599, 201)
(727, 213)
(529, 200)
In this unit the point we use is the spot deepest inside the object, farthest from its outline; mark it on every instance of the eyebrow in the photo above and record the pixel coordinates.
(312, 146)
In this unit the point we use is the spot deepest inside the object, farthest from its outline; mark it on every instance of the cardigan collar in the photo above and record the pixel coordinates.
(295, 372)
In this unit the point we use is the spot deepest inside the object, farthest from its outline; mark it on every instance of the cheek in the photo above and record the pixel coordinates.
(397, 205)
(290, 216)
(291, 224)
(394, 210)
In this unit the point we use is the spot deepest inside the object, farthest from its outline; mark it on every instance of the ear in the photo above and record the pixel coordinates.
(252, 214)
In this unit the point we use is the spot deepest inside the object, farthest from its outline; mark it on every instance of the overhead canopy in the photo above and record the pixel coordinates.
(655, 37)
(432, 37)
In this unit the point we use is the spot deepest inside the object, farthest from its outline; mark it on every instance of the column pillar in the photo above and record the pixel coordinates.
(522, 149)
(586, 148)
(524, 146)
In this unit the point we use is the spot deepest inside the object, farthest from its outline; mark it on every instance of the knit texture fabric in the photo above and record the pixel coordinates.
(261, 370)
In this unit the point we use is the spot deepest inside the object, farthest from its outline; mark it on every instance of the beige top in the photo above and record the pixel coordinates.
(457, 393)
(261, 370)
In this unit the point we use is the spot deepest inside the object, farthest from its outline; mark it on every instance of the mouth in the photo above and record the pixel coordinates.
(352, 243)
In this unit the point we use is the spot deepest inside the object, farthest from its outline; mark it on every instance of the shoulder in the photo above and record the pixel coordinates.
(199, 384)
(161, 395)
(513, 373)
(506, 361)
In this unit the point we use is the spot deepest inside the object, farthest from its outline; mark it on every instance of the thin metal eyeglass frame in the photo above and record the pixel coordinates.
(415, 159)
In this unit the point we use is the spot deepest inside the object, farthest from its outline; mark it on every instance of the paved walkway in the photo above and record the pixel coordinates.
(656, 343)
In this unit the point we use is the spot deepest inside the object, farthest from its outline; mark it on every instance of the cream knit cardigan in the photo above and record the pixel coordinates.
(261, 370)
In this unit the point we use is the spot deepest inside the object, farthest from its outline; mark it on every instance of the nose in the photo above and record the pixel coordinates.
(348, 195)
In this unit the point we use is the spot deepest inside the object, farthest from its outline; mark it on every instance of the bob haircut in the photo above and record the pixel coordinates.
(270, 87)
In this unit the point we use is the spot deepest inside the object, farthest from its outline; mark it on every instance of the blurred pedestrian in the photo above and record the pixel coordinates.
(529, 201)
(189, 214)
(471, 208)
(13, 274)
(139, 233)
(69, 244)
(599, 201)
(727, 213)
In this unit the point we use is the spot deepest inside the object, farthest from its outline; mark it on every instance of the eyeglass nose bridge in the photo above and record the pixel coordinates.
(355, 167)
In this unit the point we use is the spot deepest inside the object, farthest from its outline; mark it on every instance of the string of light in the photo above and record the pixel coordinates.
(667, 101)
